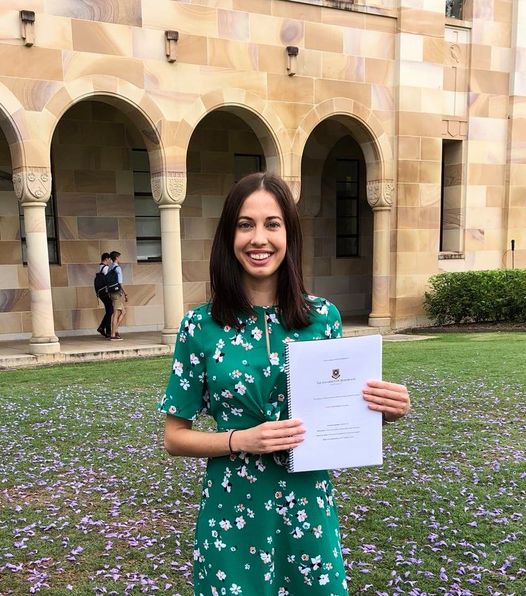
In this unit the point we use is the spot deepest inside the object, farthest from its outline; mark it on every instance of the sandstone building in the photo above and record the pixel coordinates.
(399, 124)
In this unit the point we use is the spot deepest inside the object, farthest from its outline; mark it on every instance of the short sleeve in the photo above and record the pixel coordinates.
(334, 322)
(186, 394)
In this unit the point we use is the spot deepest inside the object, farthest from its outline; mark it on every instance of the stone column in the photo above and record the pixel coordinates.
(169, 191)
(33, 189)
(379, 197)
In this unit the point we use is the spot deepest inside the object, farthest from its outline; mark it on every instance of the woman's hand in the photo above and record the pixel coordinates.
(269, 437)
(389, 398)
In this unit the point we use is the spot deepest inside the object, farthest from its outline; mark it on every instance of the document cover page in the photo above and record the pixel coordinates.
(325, 382)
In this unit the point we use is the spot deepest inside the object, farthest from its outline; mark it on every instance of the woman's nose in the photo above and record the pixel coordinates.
(260, 236)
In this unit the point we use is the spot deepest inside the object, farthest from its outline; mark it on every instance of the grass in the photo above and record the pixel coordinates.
(89, 503)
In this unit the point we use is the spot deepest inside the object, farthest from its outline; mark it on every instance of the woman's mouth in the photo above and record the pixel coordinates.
(259, 258)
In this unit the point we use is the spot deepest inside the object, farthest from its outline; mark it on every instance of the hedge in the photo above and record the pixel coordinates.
(477, 296)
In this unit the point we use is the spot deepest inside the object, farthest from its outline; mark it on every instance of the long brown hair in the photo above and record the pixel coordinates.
(229, 299)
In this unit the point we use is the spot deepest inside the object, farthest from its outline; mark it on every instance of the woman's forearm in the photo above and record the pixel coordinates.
(194, 443)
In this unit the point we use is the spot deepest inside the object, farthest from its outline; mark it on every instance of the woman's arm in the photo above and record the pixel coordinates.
(181, 439)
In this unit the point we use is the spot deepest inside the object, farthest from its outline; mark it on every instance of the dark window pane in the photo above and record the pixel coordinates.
(245, 164)
(347, 247)
(148, 226)
(148, 250)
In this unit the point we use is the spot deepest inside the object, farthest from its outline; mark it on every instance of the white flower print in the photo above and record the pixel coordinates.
(240, 522)
(220, 344)
(178, 367)
(257, 333)
(328, 331)
(240, 388)
(236, 374)
(324, 579)
(321, 503)
(323, 309)
(226, 394)
(274, 359)
(218, 355)
(317, 531)
(172, 410)
(225, 525)
(265, 557)
(219, 544)
(316, 562)
(266, 371)
(249, 378)
(211, 522)
(194, 360)
(237, 339)
(297, 532)
(221, 575)
(185, 383)
(291, 499)
(237, 411)
(301, 515)
(268, 505)
(235, 589)
(268, 576)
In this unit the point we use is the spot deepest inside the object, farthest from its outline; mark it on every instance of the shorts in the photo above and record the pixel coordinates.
(117, 301)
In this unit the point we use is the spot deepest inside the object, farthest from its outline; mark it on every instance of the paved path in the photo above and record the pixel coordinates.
(86, 348)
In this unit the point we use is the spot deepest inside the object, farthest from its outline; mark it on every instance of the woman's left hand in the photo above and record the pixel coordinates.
(389, 398)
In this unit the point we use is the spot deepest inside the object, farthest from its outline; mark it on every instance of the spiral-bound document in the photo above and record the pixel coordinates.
(325, 381)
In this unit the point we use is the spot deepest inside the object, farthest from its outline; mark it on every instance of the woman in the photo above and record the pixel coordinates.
(261, 530)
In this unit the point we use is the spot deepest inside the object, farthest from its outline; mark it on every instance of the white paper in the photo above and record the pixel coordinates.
(326, 378)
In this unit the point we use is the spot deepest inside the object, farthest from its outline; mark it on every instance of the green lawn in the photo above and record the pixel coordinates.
(89, 502)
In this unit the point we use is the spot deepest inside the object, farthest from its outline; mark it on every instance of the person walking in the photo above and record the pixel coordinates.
(102, 294)
(260, 529)
(118, 295)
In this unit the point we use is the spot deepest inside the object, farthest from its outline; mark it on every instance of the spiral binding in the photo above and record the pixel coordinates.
(290, 464)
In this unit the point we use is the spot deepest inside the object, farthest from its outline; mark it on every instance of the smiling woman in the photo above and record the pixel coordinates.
(260, 530)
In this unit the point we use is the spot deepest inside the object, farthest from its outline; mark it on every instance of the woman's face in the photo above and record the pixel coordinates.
(260, 241)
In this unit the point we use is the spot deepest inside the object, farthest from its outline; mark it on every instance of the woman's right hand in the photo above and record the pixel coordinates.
(269, 437)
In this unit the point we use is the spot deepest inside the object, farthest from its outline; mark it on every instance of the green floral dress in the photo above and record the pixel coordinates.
(261, 530)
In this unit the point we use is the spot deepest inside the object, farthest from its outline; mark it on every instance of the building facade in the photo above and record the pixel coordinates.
(400, 126)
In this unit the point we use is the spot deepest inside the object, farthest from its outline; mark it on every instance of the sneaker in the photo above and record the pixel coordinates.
(116, 338)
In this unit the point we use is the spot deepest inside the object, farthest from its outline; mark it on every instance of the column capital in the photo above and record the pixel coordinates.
(380, 194)
(32, 184)
(294, 183)
(169, 188)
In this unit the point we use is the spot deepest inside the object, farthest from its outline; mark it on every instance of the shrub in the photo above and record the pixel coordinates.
(477, 296)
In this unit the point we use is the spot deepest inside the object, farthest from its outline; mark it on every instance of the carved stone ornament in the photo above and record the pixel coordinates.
(32, 184)
(169, 188)
(294, 183)
(380, 193)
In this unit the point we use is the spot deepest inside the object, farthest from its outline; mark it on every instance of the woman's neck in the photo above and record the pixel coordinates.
(261, 292)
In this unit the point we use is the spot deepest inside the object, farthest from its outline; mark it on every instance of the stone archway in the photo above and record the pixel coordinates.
(366, 129)
(135, 105)
(226, 143)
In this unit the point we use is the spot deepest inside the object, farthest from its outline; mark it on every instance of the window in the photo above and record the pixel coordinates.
(451, 210)
(454, 9)
(147, 218)
(246, 163)
(51, 227)
(347, 199)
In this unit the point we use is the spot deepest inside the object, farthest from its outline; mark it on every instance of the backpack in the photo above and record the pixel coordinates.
(112, 280)
(100, 282)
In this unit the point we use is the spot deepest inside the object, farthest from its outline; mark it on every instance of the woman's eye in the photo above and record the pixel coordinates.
(274, 225)
(244, 225)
